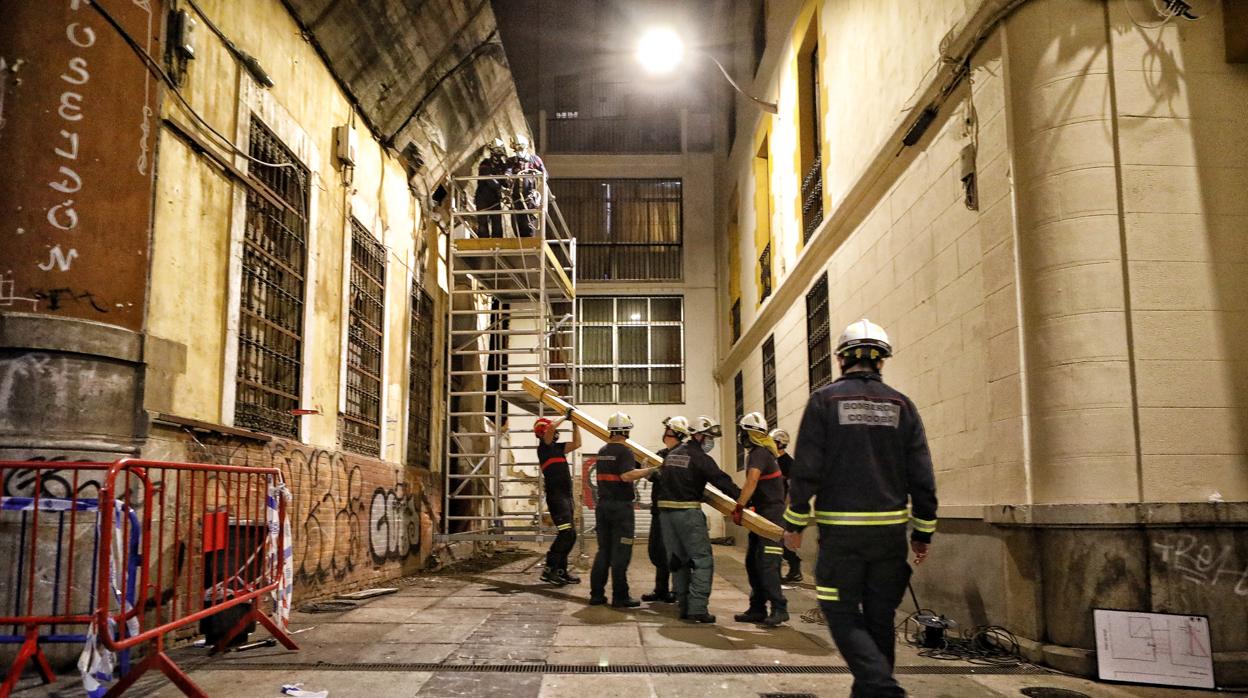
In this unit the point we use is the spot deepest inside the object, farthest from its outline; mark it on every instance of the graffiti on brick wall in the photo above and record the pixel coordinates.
(394, 517)
(1204, 563)
(54, 484)
(342, 521)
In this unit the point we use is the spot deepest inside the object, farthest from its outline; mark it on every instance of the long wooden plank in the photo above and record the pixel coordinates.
(717, 499)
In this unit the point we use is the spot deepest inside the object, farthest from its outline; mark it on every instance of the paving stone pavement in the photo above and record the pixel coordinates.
(432, 639)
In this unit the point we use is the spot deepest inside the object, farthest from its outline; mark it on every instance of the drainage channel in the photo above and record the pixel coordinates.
(535, 668)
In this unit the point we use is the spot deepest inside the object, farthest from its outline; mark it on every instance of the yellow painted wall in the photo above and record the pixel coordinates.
(195, 207)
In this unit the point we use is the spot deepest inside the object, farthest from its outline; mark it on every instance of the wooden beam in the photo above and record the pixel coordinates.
(720, 501)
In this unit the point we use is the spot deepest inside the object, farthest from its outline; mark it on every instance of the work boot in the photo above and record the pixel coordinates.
(567, 577)
(597, 600)
(659, 596)
(700, 618)
(778, 617)
(794, 576)
(551, 575)
(625, 603)
(751, 616)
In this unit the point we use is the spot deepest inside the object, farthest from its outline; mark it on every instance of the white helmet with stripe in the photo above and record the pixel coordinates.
(754, 422)
(619, 423)
(678, 425)
(781, 437)
(706, 425)
(864, 339)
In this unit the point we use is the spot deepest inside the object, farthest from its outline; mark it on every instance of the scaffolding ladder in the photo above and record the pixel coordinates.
(511, 315)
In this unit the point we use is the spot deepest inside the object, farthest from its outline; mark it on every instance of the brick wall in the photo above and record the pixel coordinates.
(357, 522)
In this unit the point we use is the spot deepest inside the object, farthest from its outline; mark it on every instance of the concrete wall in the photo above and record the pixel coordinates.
(1069, 343)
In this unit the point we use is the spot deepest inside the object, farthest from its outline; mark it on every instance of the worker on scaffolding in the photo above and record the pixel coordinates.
(675, 431)
(552, 454)
(764, 491)
(685, 473)
(616, 470)
(489, 193)
(525, 194)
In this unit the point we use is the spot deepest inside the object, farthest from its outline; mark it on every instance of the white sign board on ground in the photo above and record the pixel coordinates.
(1157, 648)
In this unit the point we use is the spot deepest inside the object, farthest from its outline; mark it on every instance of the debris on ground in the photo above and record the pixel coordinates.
(327, 606)
(367, 593)
(295, 689)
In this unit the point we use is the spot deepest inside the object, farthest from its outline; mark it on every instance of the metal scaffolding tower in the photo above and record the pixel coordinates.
(511, 315)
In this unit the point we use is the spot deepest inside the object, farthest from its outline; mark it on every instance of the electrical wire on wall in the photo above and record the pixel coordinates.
(1166, 9)
(153, 66)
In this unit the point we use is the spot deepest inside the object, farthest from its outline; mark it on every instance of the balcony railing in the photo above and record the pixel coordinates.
(655, 133)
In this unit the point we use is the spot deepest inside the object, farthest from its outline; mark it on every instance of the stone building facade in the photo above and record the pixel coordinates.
(1040, 201)
(253, 271)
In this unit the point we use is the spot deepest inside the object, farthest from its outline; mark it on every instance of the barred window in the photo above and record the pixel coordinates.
(360, 426)
(627, 229)
(420, 380)
(736, 320)
(769, 382)
(764, 270)
(632, 350)
(818, 338)
(738, 411)
(270, 324)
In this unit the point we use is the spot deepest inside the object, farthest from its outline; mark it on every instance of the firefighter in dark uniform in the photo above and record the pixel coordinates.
(525, 194)
(552, 457)
(685, 473)
(675, 431)
(781, 438)
(489, 193)
(764, 491)
(863, 455)
(616, 472)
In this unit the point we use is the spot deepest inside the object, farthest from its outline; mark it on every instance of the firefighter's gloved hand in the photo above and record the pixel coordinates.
(568, 414)
(738, 513)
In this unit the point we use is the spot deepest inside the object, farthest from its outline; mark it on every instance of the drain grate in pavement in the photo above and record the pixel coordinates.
(1049, 692)
(543, 668)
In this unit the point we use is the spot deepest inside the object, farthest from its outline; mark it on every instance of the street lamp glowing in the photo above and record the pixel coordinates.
(660, 50)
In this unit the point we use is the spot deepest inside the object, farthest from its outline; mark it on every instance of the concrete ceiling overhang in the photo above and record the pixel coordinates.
(429, 72)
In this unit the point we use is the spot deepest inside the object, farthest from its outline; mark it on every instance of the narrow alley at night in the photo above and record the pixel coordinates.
(540, 348)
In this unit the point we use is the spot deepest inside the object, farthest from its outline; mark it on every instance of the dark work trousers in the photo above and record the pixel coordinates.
(561, 514)
(860, 578)
(658, 554)
(615, 549)
(794, 560)
(762, 567)
(691, 561)
(490, 226)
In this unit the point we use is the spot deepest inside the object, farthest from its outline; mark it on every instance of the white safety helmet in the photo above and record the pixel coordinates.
(706, 425)
(754, 422)
(520, 143)
(497, 147)
(619, 423)
(781, 437)
(678, 425)
(864, 339)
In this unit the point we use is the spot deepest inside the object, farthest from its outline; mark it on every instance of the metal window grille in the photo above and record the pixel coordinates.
(769, 382)
(420, 380)
(360, 426)
(270, 332)
(632, 350)
(656, 132)
(627, 229)
(812, 199)
(818, 336)
(736, 320)
(738, 397)
(764, 272)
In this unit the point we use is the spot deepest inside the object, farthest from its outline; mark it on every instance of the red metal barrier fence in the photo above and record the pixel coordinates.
(201, 544)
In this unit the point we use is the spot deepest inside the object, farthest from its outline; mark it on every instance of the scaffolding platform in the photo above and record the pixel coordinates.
(511, 316)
